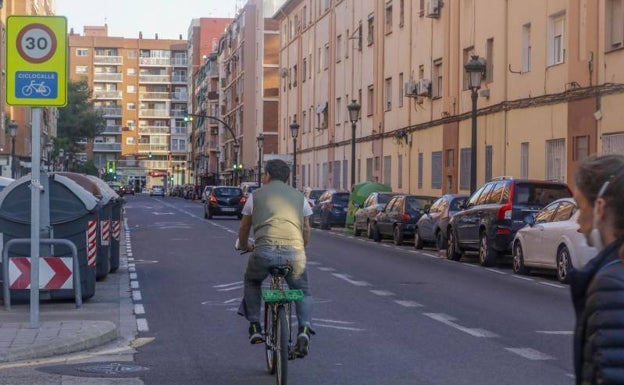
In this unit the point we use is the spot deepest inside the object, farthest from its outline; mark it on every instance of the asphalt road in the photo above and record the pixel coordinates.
(383, 314)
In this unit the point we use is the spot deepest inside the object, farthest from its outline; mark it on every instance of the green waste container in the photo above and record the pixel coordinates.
(73, 216)
(117, 202)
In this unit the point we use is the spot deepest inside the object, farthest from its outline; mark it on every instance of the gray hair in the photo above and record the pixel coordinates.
(277, 169)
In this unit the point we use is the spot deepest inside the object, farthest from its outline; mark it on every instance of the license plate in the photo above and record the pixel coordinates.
(228, 209)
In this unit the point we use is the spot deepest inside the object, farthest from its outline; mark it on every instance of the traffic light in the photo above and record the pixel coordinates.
(110, 166)
(149, 155)
(188, 118)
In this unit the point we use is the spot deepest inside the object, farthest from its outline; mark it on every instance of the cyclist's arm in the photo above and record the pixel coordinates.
(306, 230)
(243, 233)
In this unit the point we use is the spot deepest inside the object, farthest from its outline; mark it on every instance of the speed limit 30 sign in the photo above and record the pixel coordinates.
(36, 60)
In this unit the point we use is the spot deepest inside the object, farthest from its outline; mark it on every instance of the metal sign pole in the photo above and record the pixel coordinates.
(35, 193)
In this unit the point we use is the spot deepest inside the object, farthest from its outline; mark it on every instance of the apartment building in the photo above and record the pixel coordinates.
(548, 98)
(140, 86)
(20, 116)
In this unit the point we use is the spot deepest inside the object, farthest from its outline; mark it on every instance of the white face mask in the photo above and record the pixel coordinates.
(595, 239)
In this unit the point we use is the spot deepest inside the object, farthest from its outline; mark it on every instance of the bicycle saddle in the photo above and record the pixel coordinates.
(280, 270)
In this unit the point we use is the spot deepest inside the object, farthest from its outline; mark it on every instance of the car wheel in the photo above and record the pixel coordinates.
(376, 234)
(357, 232)
(487, 255)
(397, 235)
(370, 230)
(209, 214)
(452, 251)
(440, 241)
(325, 223)
(564, 264)
(418, 242)
(518, 260)
(205, 214)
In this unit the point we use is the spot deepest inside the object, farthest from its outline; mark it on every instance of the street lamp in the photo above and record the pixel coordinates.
(260, 140)
(218, 154)
(13, 133)
(294, 130)
(235, 176)
(49, 147)
(474, 68)
(354, 115)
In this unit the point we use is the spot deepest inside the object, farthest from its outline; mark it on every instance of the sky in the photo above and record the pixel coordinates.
(125, 18)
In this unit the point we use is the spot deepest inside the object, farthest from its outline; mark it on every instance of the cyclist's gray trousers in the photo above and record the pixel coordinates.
(258, 269)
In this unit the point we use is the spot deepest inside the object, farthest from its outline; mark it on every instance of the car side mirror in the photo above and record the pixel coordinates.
(380, 208)
(530, 219)
(356, 205)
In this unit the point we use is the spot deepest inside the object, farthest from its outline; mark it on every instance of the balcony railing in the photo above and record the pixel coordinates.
(155, 61)
(180, 96)
(154, 96)
(179, 61)
(106, 147)
(154, 130)
(111, 130)
(178, 113)
(178, 78)
(147, 147)
(154, 79)
(101, 59)
(179, 131)
(106, 94)
(109, 111)
(160, 113)
(108, 77)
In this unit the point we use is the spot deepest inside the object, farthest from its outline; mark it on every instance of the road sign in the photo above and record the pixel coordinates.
(54, 273)
(36, 68)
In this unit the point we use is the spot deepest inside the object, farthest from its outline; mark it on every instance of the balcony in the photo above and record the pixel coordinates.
(111, 130)
(154, 62)
(106, 95)
(151, 113)
(179, 61)
(179, 113)
(180, 96)
(154, 96)
(177, 78)
(154, 130)
(106, 147)
(108, 77)
(155, 79)
(109, 112)
(99, 59)
(155, 148)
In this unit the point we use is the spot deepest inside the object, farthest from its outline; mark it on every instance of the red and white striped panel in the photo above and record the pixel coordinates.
(105, 232)
(91, 243)
(116, 230)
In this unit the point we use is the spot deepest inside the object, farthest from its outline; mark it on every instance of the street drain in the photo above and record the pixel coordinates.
(97, 369)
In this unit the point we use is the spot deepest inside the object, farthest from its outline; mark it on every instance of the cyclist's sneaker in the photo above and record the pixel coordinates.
(303, 342)
(255, 333)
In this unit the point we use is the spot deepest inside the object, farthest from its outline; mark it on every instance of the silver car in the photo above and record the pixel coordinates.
(157, 191)
(431, 227)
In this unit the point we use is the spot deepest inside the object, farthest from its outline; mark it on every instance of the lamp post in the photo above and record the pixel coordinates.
(474, 68)
(235, 176)
(294, 130)
(49, 146)
(218, 154)
(354, 115)
(260, 140)
(13, 133)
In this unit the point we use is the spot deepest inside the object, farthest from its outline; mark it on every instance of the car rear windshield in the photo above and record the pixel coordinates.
(415, 203)
(384, 198)
(227, 192)
(539, 194)
(315, 194)
(342, 198)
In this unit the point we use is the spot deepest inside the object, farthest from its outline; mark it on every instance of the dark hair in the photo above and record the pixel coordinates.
(277, 169)
(591, 175)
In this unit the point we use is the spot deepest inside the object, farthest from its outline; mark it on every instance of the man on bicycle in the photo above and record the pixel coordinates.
(279, 215)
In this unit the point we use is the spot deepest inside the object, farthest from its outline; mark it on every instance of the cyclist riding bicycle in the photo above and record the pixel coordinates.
(279, 215)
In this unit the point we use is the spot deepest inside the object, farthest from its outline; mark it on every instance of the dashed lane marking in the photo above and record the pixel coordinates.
(523, 278)
(382, 293)
(408, 303)
(134, 284)
(139, 309)
(346, 278)
(552, 285)
(133, 275)
(556, 332)
(136, 296)
(448, 320)
(495, 271)
(530, 354)
(142, 325)
(326, 268)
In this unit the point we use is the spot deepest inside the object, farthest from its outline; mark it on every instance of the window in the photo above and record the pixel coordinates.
(326, 56)
(564, 212)
(464, 168)
(488, 162)
(555, 159)
(387, 173)
(436, 170)
(131, 89)
(130, 140)
(400, 171)
(401, 90)
(369, 168)
(449, 160)
(132, 54)
(82, 69)
(615, 24)
(82, 51)
(401, 13)
(338, 109)
(556, 40)
(489, 61)
(421, 8)
(131, 106)
(345, 172)
(338, 48)
(336, 175)
(613, 143)
(131, 71)
(389, 17)
(294, 75)
(526, 48)
(370, 101)
(304, 69)
(370, 38)
(524, 160)
(581, 148)
(420, 170)
(437, 78)
(388, 94)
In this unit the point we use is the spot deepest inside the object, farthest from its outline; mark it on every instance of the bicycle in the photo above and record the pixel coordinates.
(37, 88)
(278, 323)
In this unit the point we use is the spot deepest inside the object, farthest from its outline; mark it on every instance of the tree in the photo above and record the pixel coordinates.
(78, 120)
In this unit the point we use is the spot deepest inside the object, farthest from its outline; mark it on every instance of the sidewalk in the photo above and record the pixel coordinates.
(63, 328)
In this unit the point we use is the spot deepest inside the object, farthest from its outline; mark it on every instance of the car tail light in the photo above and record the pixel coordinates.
(504, 212)
(330, 206)
(243, 200)
(406, 217)
(213, 200)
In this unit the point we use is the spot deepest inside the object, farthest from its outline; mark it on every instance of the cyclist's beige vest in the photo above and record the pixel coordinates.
(277, 217)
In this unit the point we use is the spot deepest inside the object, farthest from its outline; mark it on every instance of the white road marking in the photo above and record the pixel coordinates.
(313, 263)
(326, 268)
(134, 284)
(496, 271)
(382, 293)
(142, 325)
(556, 332)
(530, 354)
(136, 295)
(133, 275)
(345, 277)
(130, 259)
(332, 321)
(232, 300)
(317, 325)
(523, 278)
(139, 309)
(448, 320)
(131, 268)
(232, 288)
(228, 284)
(131, 265)
(552, 285)
(429, 255)
(408, 303)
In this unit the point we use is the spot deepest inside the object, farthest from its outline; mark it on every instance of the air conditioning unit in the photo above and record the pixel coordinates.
(423, 87)
(411, 88)
(433, 8)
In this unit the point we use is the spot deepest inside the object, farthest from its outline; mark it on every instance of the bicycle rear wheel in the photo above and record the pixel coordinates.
(281, 346)
(270, 338)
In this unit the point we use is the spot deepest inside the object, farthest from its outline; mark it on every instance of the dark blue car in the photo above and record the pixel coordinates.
(330, 210)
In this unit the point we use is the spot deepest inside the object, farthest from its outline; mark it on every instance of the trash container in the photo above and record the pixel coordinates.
(104, 211)
(117, 203)
(73, 216)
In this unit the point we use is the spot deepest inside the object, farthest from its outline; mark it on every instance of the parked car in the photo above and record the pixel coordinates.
(365, 214)
(313, 194)
(224, 200)
(157, 191)
(127, 189)
(431, 227)
(248, 187)
(205, 193)
(331, 210)
(495, 212)
(551, 240)
(398, 219)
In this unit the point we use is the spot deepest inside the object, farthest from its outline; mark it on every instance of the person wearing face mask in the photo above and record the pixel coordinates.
(598, 289)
